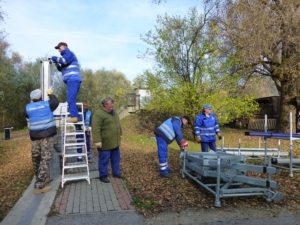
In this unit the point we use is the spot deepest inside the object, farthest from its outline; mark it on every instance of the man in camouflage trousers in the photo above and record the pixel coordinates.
(42, 128)
(41, 157)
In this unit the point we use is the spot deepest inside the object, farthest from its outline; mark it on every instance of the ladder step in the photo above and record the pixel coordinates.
(74, 155)
(68, 113)
(74, 133)
(73, 149)
(76, 177)
(78, 140)
(67, 142)
(75, 144)
(78, 123)
(75, 165)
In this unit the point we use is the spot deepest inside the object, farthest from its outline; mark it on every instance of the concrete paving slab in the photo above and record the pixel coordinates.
(129, 217)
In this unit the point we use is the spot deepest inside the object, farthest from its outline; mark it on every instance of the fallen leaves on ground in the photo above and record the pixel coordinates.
(152, 194)
(15, 171)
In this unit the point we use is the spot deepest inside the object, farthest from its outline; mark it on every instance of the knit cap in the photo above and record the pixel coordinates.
(35, 94)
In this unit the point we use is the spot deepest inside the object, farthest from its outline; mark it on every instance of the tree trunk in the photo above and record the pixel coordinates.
(287, 105)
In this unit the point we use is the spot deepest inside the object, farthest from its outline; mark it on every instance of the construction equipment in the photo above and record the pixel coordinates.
(74, 155)
(230, 175)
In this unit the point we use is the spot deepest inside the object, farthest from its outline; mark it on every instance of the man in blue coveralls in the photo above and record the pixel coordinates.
(206, 128)
(69, 66)
(165, 133)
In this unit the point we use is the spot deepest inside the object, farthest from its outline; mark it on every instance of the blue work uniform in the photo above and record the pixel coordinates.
(206, 127)
(165, 134)
(41, 122)
(87, 124)
(69, 66)
(42, 128)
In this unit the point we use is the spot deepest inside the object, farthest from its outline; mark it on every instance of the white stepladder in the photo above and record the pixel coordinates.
(74, 164)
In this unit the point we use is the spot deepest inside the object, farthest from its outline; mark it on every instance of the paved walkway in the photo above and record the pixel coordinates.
(77, 203)
(81, 197)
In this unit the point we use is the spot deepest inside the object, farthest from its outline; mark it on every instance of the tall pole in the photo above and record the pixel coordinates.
(291, 146)
(265, 138)
(45, 78)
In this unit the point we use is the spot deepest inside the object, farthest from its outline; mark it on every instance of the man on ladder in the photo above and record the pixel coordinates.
(69, 66)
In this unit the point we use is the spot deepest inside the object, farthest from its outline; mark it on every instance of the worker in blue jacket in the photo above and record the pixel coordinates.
(165, 134)
(69, 66)
(42, 128)
(87, 129)
(206, 128)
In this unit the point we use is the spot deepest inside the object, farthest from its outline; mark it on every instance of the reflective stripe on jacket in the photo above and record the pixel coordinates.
(40, 116)
(69, 65)
(167, 131)
(206, 127)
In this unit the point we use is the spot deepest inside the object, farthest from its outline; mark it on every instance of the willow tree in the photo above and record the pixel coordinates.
(264, 36)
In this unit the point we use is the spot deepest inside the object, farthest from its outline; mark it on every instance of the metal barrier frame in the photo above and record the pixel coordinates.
(229, 173)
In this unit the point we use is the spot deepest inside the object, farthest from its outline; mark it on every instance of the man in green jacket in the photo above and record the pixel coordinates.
(107, 133)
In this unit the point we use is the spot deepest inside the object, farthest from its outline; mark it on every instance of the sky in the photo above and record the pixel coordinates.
(102, 33)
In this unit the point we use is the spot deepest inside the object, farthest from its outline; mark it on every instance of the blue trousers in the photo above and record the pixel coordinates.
(162, 150)
(88, 143)
(211, 145)
(104, 156)
(73, 87)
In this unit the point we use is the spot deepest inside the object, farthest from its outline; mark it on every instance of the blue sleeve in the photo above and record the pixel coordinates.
(197, 125)
(67, 57)
(177, 129)
(217, 127)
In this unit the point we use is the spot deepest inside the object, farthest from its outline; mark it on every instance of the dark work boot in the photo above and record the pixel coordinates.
(167, 175)
(104, 179)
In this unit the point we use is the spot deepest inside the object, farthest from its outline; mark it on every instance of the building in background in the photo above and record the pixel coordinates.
(138, 100)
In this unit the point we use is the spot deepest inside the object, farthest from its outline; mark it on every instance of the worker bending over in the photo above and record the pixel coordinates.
(165, 133)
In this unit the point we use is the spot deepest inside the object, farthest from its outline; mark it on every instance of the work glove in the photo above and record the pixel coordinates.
(54, 59)
(219, 136)
(184, 144)
(98, 145)
(58, 67)
(50, 91)
(198, 139)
